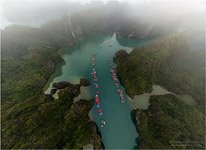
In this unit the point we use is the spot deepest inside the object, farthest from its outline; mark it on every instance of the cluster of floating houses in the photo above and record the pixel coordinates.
(97, 100)
(116, 83)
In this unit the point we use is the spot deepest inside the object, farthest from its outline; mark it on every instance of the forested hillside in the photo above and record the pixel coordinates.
(167, 62)
(29, 57)
(169, 123)
(44, 122)
(31, 119)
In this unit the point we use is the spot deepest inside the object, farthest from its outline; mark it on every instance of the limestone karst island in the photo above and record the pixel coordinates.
(103, 74)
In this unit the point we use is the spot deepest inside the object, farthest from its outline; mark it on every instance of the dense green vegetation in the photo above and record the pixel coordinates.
(170, 124)
(50, 123)
(167, 62)
(25, 77)
(29, 56)
(31, 119)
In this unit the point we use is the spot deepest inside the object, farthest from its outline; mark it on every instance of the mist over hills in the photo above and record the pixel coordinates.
(31, 53)
(144, 17)
(134, 20)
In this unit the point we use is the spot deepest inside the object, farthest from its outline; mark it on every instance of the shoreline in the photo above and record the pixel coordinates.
(98, 132)
(64, 85)
(119, 78)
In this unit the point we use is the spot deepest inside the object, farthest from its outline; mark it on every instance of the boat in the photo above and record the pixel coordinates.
(96, 79)
(116, 83)
(97, 100)
(94, 76)
(123, 100)
(96, 86)
(98, 106)
(102, 122)
(99, 110)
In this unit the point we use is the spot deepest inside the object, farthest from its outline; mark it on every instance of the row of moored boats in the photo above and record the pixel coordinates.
(96, 84)
(116, 83)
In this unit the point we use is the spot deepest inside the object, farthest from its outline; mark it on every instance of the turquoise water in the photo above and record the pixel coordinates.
(119, 131)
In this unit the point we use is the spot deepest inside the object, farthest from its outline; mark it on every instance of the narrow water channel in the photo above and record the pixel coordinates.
(119, 131)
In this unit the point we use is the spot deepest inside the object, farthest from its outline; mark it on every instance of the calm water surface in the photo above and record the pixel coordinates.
(119, 131)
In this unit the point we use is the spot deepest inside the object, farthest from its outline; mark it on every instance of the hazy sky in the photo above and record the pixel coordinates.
(35, 12)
